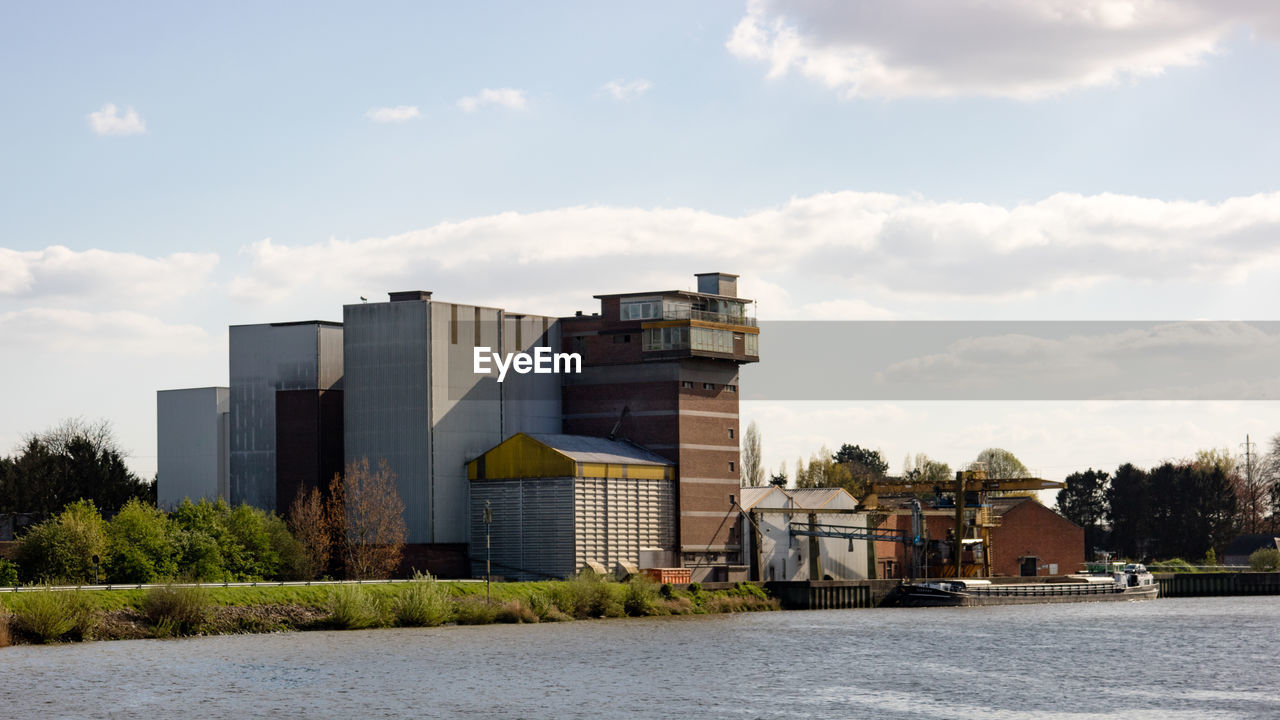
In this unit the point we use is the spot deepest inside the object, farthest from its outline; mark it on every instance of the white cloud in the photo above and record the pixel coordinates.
(823, 248)
(109, 121)
(85, 333)
(1011, 48)
(101, 276)
(397, 114)
(505, 97)
(620, 90)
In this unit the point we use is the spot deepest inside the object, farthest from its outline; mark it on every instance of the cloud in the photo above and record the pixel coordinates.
(1008, 48)
(824, 248)
(504, 97)
(397, 114)
(101, 276)
(109, 121)
(83, 333)
(623, 91)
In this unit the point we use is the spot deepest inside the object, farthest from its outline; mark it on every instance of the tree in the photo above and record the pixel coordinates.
(1268, 474)
(922, 469)
(62, 548)
(1000, 463)
(864, 467)
(1084, 502)
(779, 479)
(372, 515)
(752, 469)
(311, 526)
(75, 460)
(140, 546)
(1128, 511)
(822, 472)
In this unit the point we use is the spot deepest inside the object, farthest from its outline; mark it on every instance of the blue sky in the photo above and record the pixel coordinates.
(1099, 159)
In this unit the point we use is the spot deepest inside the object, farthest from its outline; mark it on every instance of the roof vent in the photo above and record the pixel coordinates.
(406, 295)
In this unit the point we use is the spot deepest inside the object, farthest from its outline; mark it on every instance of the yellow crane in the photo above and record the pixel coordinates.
(966, 481)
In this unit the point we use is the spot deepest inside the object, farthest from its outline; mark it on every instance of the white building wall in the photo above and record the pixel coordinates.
(192, 448)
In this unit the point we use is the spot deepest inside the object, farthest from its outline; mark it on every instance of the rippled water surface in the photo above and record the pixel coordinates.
(1189, 658)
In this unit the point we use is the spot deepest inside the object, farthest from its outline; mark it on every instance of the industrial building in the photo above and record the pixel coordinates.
(192, 433)
(266, 360)
(770, 517)
(560, 503)
(397, 381)
(1022, 537)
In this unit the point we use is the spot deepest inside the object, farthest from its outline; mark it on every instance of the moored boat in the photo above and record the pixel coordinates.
(1127, 582)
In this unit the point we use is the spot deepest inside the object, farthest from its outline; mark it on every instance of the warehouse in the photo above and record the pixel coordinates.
(560, 503)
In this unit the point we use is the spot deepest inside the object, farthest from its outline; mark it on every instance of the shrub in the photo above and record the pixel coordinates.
(8, 573)
(588, 595)
(50, 615)
(667, 591)
(1265, 560)
(471, 610)
(515, 611)
(351, 607)
(62, 547)
(176, 609)
(140, 547)
(424, 603)
(6, 636)
(545, 609)
(1174, 565)
(639, 596)
(738, 603)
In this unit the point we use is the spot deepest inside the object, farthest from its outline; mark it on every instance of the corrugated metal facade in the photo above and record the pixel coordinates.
(550, 527)
(192, 450)
(386, 405)
(264, 359)
(413, 397)
(614, 518)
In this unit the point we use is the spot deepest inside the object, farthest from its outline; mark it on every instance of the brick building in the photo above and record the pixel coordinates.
(1029, 539)
(660, 369)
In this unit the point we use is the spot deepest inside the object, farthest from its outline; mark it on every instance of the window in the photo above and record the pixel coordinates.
(731, 388)
(730, 433)
(686, 384)
(708, 386)
(622, 338)
(668, 338)
(752, 345)
(730, 466)
(712, 340)
(640, 310)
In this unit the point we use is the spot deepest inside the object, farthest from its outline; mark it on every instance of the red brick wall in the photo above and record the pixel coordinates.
(1030, 528)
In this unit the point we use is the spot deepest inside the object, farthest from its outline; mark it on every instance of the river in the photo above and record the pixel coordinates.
(1178, 658)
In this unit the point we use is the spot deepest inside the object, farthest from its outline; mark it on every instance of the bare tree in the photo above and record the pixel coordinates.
(752, 470)
(310, 524)
(373, 517)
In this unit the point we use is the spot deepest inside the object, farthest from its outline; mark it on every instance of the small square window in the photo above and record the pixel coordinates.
(731, 388)
(708, 386)
(730, 466)
(686, 384)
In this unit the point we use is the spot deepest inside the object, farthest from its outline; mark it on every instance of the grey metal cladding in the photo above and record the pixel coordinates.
(532, 531)
(264, 359)
(386, 408)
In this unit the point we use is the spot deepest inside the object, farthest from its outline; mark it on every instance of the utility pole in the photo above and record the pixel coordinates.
(1252, 499)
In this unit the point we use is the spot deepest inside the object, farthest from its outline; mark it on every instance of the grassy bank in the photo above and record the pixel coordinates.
(53, 616)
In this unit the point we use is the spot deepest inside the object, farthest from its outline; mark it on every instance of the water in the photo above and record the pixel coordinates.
(1182, 658)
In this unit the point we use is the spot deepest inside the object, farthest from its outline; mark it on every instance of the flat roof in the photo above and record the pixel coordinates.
(691, 293)
(326, 323)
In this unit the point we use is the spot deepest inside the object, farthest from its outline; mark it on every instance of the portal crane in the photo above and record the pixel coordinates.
(966, 481)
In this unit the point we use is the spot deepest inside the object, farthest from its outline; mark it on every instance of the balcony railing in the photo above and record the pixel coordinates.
(681, 313)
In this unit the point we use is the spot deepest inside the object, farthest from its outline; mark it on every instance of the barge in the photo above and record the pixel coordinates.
(1127, 583)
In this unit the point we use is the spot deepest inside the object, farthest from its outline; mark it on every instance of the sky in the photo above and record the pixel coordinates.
(167, 170)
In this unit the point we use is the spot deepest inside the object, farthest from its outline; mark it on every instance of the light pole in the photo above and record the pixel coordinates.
(488, 552)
